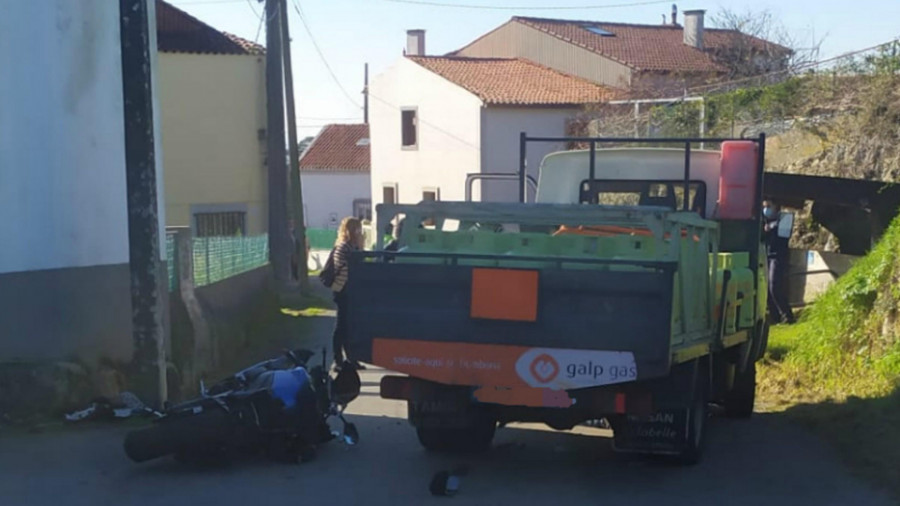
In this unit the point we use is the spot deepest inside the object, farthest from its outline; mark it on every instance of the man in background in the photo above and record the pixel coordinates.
(778, 256)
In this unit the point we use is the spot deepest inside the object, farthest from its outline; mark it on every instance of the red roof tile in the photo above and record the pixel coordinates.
(514, 81)
(338, 148)
(179, 32)
(645, 47)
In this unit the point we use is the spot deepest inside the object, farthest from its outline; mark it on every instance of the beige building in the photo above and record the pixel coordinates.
(213, 119)
(646, 59)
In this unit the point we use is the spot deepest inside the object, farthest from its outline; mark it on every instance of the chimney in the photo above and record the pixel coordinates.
(415, 43)
(693, 28)
(674, 15)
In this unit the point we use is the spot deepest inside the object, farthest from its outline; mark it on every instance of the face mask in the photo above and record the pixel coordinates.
(769, 212)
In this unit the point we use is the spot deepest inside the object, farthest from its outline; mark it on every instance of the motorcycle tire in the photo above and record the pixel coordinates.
(209, 430)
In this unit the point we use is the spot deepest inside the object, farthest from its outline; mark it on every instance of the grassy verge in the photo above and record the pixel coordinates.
(844, 399)
(838, 370)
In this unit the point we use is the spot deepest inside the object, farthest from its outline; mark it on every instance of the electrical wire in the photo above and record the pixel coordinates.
(804, 66)
(209, 2)
(323, 118)
(315, 44)
(426, 3)
(426, 123)
(252, 8)
(262, 20)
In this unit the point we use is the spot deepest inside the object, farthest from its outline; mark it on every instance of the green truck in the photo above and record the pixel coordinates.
(631, 288)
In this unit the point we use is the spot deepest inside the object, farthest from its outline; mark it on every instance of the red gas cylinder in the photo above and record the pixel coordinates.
(737, 180)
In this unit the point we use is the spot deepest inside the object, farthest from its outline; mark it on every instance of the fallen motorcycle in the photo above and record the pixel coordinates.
(277, 407)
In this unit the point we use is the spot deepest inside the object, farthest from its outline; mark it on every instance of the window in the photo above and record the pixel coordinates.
(599, 31)
(431, 194)
(644, 193)
(362, 209)
(409, 124)
(220, 224)
(389, 193)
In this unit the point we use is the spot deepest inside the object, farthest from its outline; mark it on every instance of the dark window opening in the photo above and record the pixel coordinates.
(668, 194)
(409, 126)
(389, 194)
(220, 224)
(430, 195)
(362, 209)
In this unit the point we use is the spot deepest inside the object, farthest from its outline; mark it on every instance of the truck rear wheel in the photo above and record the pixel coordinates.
(472, 439)
(740, 399)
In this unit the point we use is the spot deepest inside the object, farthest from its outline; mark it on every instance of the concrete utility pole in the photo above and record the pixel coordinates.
(366, 94)
(279, 242)
(296, 197)
(148, 290)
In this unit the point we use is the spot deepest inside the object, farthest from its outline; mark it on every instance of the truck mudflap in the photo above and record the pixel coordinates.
(662, 432)
(676, 426)
(582, 327)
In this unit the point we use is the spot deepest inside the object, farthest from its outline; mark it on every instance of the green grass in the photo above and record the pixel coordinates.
(837, 371)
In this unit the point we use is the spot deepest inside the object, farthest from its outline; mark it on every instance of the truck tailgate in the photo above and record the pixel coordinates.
(589, 326)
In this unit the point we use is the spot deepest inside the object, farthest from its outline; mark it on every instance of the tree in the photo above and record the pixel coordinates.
(769, 49)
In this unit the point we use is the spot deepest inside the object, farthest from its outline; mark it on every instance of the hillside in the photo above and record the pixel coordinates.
(838, 370)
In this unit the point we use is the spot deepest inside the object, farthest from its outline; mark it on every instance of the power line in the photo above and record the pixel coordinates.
(426, 123)
(252, 8)
(315, 44)
(804, 66)
(322, 118)
(209, 2)
(526, 7)
(259, 29)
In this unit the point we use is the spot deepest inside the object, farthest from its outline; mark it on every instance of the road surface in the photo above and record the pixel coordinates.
(763, 461)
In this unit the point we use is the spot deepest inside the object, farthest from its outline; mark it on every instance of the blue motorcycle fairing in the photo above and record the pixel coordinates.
(288, 383)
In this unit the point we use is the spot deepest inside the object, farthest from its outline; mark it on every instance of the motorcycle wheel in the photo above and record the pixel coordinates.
(207, 431)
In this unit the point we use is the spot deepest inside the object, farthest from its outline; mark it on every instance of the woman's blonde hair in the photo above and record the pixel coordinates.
(349, 227)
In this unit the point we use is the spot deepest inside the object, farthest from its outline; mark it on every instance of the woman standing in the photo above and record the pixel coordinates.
(349, 239)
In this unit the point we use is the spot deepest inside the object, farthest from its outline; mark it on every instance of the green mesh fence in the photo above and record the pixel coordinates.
(170, 262)
(321, 238)
(218, 258)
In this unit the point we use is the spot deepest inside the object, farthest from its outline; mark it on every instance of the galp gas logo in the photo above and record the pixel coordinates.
(544, 368)
(563, 369)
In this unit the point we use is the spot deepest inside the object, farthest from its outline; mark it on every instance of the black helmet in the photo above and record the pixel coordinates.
(346, 386)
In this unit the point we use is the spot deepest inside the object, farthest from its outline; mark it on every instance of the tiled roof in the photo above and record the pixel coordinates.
(513, 81)
(338, 148)
(179, 32)
(646, 47)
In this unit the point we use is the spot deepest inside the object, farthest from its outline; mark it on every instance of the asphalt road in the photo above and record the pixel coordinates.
(762, 461)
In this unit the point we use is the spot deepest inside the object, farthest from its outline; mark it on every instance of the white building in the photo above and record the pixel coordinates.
(434, 120)
(334, 172)
(65, 282)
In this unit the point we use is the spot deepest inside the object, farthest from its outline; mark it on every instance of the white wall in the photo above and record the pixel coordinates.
(327, 193)
(449, 133)
(62, 160)
(500, 145)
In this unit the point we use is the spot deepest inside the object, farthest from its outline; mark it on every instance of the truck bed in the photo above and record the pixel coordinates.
(561, 297)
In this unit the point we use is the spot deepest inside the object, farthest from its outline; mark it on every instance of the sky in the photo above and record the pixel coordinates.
(350, 33)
